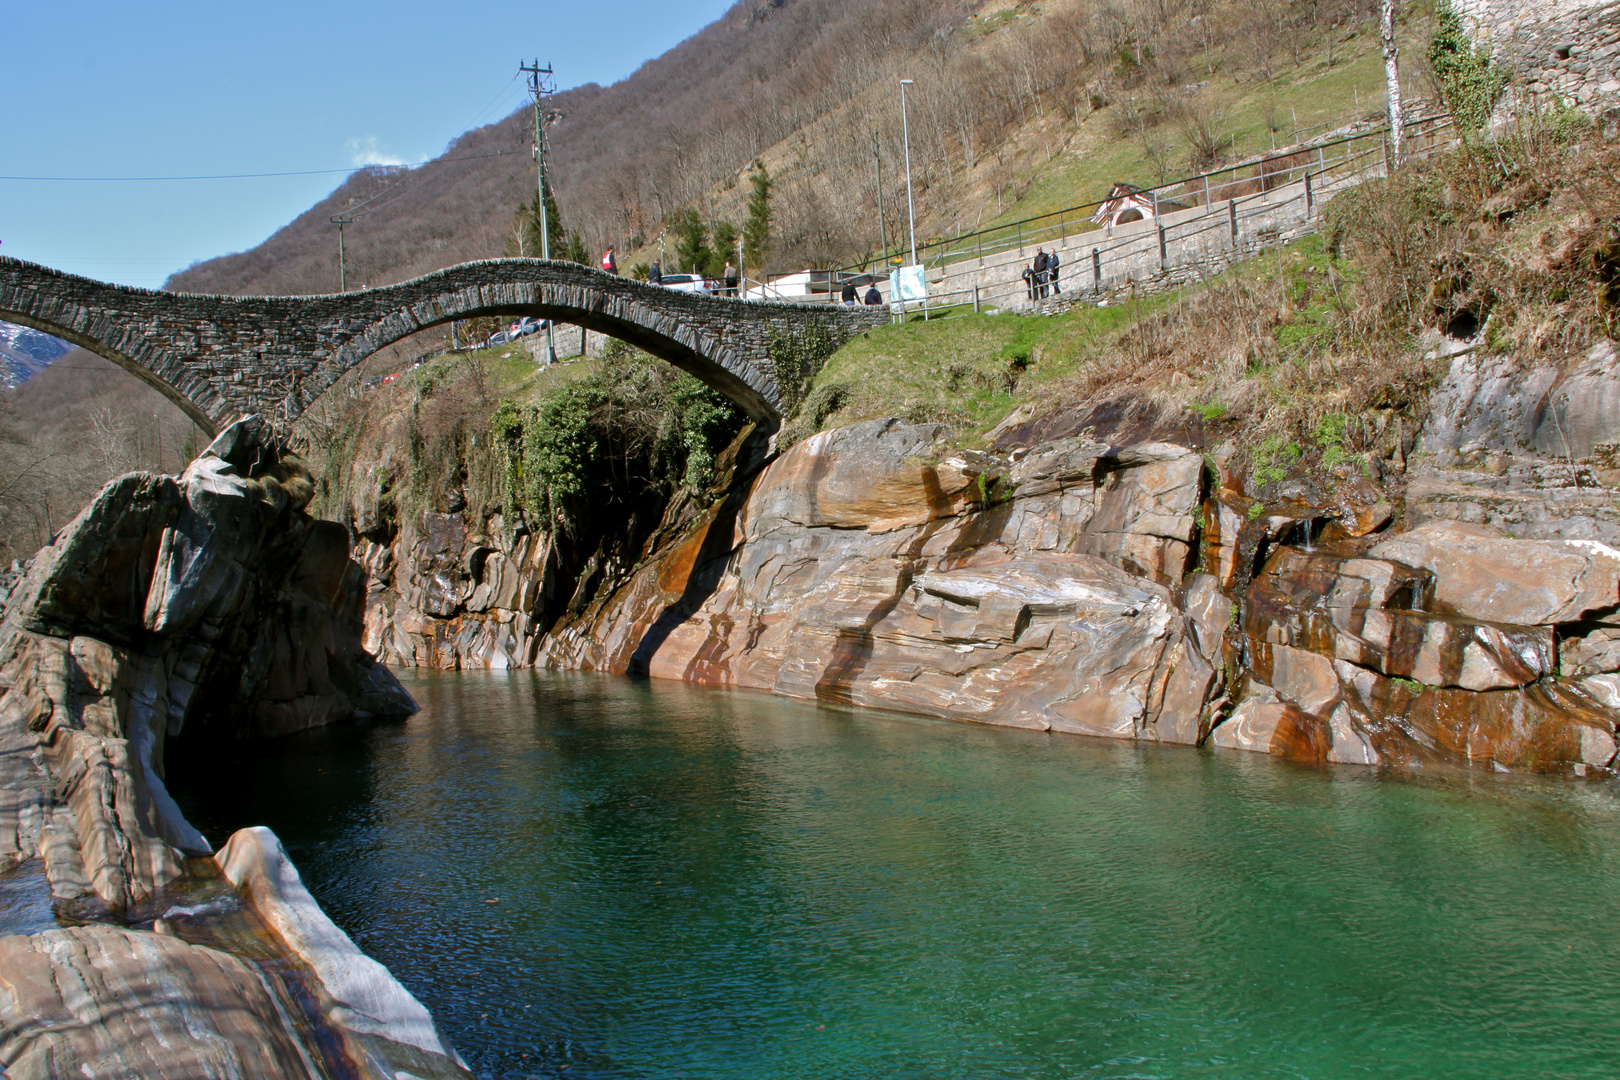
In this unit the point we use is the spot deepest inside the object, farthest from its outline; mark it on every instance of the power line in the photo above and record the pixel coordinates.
(494, 103)
(256, 176)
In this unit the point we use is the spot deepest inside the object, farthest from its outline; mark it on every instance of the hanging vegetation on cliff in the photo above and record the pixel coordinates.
(635, 430)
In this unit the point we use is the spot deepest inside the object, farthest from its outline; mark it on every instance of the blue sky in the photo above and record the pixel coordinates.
(119, 89)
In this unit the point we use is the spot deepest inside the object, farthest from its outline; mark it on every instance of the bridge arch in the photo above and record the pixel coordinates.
(148, 362)
(219, 357)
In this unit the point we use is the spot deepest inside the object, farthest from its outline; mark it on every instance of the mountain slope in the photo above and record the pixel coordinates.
(624, 156)
(1015, 107)
(25, 353)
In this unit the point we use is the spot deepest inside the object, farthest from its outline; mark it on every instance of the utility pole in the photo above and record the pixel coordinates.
(340, 221)
(905, 133)
(539, 86)
(883, 222)
(343, 277)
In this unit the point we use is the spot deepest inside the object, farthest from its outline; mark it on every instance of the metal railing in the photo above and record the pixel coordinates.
(1214, 232)
(1325, 163)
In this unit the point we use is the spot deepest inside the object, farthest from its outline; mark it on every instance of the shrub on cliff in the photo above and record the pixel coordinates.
(1470, 83)
(635, 431)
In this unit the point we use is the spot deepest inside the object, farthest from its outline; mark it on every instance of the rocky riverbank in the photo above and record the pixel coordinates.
(1446, 598)
(201, 607)
(1449, 598)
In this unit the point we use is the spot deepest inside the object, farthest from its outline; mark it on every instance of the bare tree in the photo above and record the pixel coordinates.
(1392, 75)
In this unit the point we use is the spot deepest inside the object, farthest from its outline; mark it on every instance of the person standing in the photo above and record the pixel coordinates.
(1052, 271)
(1040, 273)
(847, 295)
(609, 263)
(655, 273)
(873, 297)
(730, 278)
(1029, 282)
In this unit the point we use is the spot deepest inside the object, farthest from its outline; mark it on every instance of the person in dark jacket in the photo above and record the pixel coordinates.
(1039, 268)
(848, 293)
(873, 297)
(1029, 282)
(655, 273)
(1052, 265)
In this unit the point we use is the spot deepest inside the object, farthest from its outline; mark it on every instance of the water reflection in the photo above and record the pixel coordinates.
(584, 876)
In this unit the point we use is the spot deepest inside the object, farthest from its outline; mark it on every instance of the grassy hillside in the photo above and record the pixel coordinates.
(1512, 245)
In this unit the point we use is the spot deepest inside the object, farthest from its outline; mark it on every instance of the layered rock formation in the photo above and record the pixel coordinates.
(200, 607)
(1087, 576)
(867, 567)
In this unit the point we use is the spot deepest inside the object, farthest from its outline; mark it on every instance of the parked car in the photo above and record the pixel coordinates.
(525, 326)
(692, 283)
(499, 337)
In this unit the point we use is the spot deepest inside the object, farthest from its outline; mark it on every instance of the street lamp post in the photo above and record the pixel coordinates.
(905, 135)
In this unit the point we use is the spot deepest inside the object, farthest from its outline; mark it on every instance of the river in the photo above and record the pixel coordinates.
(589, 877)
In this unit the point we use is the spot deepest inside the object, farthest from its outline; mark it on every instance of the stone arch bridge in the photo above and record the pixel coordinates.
(220, 357)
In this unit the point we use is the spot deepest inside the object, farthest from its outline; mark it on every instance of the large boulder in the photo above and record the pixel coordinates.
(208, 599)
(95, 576)
(1493, 402)
(105, 1001)
(1349, 663)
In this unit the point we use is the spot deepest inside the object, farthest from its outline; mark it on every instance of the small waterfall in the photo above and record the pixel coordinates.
(1308, 523)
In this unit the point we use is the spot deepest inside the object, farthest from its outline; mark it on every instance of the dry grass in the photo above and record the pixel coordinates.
(1514, 243)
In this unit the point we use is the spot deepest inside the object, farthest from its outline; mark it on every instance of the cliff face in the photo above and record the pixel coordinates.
(188, 608)
(1087, 577)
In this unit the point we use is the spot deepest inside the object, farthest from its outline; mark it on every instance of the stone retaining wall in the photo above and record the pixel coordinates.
(1557, 47)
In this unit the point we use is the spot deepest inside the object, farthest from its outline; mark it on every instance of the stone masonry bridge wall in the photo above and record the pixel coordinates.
(220, 357)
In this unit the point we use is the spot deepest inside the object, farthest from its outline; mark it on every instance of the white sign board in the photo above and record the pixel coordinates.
(907, 284)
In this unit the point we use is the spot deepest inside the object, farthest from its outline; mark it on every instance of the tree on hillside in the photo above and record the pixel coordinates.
(725, 247)
(692, 251)
(525, 239)
(756, 232)
(1392, 77)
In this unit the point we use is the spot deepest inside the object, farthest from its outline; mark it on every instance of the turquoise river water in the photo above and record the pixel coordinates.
(588, 877)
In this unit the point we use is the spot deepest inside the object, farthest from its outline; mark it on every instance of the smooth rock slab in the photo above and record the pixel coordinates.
(103, 1002)
(1481, 574)
(368, 999)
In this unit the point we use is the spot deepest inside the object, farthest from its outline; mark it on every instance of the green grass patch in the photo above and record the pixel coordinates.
(968, 371)
(1272, 457)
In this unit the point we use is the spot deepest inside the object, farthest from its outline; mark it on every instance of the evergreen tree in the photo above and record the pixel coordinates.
(692, 251)
(757, 229)
(725, 247)
(576, 250)
(525, 237)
